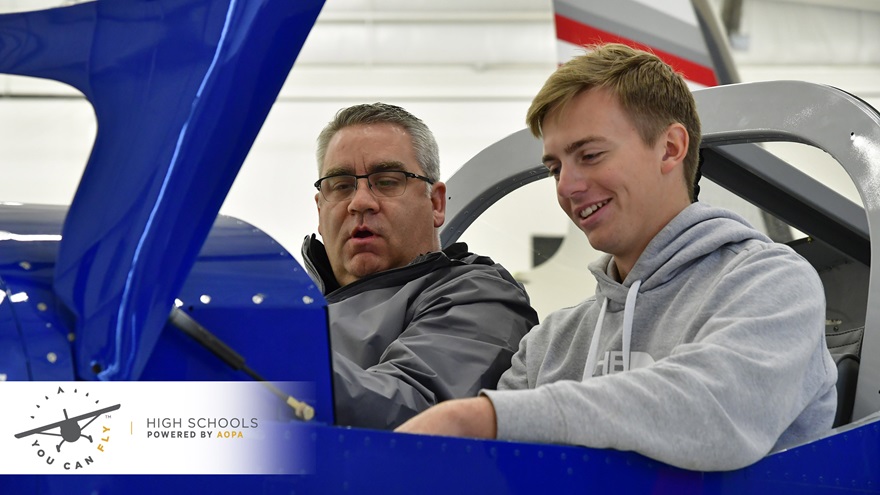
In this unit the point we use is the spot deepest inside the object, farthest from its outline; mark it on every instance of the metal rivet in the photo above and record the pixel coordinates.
(25, 265)
(51, 357)
(258, 298)
(205, 298)
(42, 306)
(308, 300)
(71, 337)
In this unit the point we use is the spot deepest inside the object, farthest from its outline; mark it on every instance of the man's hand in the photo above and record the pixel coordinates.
(473, 418)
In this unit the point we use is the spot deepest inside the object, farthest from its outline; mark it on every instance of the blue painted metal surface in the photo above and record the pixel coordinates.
(364, 461)
(36, 326)
(244, 287)
(180, 89)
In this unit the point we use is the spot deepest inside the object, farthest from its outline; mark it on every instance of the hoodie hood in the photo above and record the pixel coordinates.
(697, 231)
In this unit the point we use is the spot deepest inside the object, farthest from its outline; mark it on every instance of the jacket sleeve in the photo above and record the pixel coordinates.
(719, 402)
(459, 339)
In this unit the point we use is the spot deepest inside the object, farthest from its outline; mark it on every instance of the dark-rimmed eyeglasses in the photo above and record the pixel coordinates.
(384, 183)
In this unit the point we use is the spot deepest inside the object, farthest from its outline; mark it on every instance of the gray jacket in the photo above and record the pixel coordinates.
(442, 327)
(710, 354)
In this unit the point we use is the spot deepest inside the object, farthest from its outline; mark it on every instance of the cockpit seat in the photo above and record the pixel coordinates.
(847, 378)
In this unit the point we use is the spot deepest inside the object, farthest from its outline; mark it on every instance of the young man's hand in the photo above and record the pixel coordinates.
(473, 418)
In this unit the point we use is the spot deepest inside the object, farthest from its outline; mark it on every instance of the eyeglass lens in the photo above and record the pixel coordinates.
(342, 187)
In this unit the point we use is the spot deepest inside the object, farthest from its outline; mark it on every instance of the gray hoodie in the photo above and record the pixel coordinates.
(708, 356)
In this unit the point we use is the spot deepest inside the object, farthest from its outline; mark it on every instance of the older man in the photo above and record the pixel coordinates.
(411, 325)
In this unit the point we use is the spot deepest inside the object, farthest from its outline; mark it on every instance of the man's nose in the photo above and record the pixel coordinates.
(572, 180)
(363, 198)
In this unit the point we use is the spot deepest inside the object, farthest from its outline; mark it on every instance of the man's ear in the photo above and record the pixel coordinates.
(438, 202)
(318, 204)
(675, 141)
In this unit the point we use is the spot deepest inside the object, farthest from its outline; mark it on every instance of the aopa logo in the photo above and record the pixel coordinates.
(74, 429)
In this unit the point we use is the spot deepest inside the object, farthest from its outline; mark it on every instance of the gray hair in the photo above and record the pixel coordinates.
(423, 142)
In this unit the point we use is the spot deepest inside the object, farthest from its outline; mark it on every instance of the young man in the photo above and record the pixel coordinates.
(704, 345)
(410, 325)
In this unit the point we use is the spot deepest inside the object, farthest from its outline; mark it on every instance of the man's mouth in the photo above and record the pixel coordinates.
(362, 233)
(586, 212)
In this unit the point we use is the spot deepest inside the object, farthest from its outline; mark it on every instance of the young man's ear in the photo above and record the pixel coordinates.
(438, 201)
(676, 142)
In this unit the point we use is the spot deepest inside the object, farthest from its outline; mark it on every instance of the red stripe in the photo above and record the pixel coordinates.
(580, 34)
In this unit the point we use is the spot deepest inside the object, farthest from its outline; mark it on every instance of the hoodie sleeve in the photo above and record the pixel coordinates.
(517, 376)
(460, 339)
(722, 401)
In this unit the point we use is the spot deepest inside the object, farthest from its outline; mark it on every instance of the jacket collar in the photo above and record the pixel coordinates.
(317, 263)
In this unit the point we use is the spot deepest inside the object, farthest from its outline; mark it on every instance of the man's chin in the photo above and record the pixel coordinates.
(364, 264)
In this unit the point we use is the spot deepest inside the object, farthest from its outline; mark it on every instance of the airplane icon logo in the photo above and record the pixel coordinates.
(69, 428)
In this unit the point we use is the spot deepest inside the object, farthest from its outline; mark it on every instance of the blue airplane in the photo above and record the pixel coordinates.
(115, 286)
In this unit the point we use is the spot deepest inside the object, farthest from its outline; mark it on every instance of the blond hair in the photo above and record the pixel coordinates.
(650, 92)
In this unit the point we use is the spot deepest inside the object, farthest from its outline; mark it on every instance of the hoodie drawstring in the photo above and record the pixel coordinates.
(594, 343)
(628, 311)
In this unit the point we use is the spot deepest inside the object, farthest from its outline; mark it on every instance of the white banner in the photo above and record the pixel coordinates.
(152, 428)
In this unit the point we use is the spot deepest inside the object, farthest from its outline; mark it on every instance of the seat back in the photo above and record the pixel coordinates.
(847, 379)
